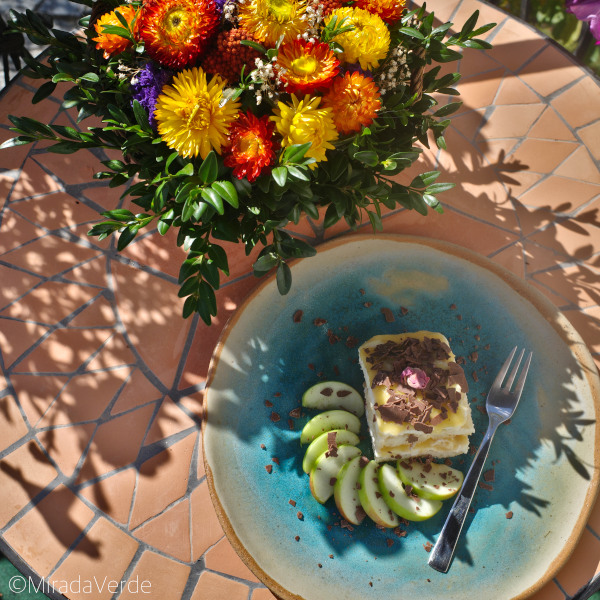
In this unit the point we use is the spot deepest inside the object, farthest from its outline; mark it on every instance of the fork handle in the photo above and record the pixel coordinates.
(441, 554)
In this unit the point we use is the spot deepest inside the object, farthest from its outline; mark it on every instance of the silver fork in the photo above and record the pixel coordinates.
(500, 404)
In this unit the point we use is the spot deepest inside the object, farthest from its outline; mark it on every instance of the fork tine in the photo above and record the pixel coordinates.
(502, 373)
(521, 382)
(513, 373)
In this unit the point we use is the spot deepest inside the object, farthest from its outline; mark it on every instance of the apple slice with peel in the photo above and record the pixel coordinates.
(345, 490)
(371, 497)
(328, 395)
(412, 508)
(322, 443)
(327, 421)
(324, 474)
(434, 481)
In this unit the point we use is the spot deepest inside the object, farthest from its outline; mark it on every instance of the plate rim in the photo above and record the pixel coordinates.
(553, 316)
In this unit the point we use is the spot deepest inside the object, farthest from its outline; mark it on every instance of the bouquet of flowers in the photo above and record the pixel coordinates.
(236, 117)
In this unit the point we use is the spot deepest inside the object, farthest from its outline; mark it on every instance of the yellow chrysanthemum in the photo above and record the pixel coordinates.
(389, 10)
(268, 20)
(108, 42)
(190, 116)
(369, 40)
(354, 100)
(304, 122)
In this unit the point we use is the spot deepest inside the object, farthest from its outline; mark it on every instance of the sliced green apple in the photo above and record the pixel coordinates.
(325, 471)
(322, 442)
(345, 491)
(328, 421)
(433, 481)
(410, 507)
(371, 497)
(328, 395)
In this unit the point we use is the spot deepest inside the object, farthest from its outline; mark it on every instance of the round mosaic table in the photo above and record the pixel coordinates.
(101, 473)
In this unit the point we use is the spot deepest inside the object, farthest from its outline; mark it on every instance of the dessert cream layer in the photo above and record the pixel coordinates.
(416, 396)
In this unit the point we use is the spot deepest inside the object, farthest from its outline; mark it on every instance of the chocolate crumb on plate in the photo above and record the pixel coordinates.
(509, 514)
(486, 486)
(275, 417)
(297, 538)
(319, 321)
(298, 316)
(292, 502)
(388, 315)
(300, 516)
(428, 546)
(403, 310)
(268, 403)
(489, 475)
(269, 468)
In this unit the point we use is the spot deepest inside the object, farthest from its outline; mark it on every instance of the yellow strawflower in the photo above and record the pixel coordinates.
(304, 122)
(190, 116)
(369, 40)
(268, 20)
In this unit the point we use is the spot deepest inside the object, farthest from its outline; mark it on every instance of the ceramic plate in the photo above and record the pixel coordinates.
(542, 471)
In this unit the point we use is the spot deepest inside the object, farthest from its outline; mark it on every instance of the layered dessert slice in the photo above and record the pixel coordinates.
(415, 396)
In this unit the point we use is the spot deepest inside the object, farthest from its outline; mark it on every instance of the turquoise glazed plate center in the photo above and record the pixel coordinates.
(542, 471)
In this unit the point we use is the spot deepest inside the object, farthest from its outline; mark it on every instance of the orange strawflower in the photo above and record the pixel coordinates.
(251, 148)
(389, 10)
(109, 42)
(354, 100)
(306, 66)
(176, 32)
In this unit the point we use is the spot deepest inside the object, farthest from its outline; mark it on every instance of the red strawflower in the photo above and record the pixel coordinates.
(251, 149)
(176, 32)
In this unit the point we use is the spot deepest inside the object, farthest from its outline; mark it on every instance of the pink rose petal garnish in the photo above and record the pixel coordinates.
(415, 378)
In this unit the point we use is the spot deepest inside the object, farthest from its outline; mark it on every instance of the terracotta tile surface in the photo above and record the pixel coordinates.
(59, 519)
(161, 578)
(223, 558)
(214, 587)
(101, 472)
(99, 558)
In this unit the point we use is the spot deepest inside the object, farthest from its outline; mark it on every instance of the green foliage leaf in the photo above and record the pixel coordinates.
(213, 199)
(265, 263)
(368, 157)
(279, 174)
(209, 169)
(284, 278)
(227, 191)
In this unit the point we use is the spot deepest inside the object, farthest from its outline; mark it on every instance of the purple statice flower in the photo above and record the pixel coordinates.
(147, 86)
(220, 4)
(587, 10)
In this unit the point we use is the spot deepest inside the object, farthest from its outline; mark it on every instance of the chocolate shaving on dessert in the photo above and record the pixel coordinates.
(343, 393)
(412, 438)
(327, 391)
(363, 461)
(389, 361)
(422, 427)
(298, 316)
